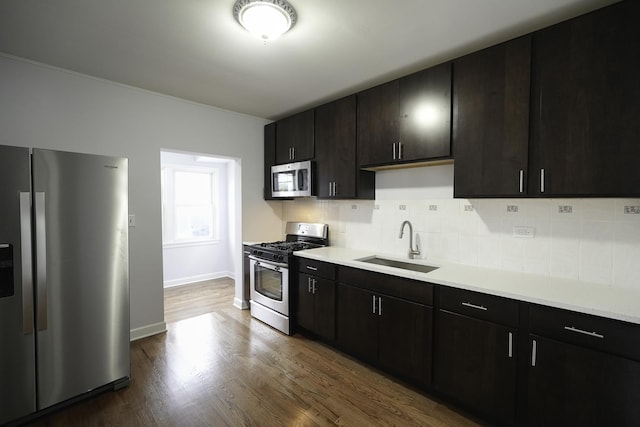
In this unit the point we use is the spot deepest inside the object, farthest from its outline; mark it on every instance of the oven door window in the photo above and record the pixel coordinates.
(268, 283)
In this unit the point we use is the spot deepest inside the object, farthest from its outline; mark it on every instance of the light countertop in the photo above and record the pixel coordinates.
(584, 297)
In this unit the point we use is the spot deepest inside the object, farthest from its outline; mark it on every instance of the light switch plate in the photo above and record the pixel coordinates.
(132, 220)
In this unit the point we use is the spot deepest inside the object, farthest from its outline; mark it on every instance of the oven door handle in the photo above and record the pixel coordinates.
(271, 265)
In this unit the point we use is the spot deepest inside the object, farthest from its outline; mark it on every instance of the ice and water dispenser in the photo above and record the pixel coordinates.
(6, 270)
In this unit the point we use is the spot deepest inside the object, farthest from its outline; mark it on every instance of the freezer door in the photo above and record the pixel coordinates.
(17, 339)
(82, 280)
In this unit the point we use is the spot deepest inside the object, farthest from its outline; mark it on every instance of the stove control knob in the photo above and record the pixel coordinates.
(280, 257)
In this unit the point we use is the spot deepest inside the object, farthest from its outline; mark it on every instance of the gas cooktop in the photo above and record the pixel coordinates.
(300, 236)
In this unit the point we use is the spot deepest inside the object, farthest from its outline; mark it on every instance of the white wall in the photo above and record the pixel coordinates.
(46, 107)
(599, 241)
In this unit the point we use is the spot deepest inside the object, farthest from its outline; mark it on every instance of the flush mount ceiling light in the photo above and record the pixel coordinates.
(267, 19)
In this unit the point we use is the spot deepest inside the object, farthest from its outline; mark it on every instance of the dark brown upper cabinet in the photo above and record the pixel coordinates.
(269, 157)
(586, 105)
(406, 120)
(294, 138)
(491, 120)
(337, 174)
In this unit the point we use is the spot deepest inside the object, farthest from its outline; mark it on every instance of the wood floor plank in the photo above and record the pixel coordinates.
(217, 366)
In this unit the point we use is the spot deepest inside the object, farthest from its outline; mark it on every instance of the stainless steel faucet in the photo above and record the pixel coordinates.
(412, 252)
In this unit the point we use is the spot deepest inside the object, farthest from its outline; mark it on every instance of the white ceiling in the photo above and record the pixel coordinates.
(194, 49)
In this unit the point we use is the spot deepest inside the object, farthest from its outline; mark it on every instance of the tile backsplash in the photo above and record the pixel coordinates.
(593, 240)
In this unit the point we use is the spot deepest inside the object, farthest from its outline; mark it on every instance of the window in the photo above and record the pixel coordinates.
(189, 204)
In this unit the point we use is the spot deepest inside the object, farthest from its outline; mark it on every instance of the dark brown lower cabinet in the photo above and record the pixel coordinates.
(316, 305)
(571, 385)
(357, 325)
(475, 365)
(392, 333)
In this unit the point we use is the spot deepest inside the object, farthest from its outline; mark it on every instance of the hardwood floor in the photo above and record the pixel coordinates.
(184, 302)
(223, 368)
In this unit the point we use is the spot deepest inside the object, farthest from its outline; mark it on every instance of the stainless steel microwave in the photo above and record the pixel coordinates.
(292, 179)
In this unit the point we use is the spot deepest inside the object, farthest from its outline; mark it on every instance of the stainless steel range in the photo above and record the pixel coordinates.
(270, 272)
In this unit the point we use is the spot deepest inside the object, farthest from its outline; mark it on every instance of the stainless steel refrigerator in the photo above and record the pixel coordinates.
(64, 277)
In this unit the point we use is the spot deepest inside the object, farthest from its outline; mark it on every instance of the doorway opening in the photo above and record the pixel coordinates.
(200, 235)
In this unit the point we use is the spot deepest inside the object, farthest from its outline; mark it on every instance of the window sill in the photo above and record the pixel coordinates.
(186, 244)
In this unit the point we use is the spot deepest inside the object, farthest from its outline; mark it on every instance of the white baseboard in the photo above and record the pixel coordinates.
(198, 278)
(147, 331)
(242, 304)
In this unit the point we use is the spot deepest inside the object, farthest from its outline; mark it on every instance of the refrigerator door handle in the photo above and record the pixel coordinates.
(26, 262)
(41, 261)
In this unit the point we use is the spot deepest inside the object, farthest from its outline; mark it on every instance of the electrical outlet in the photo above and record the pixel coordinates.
(524, 232)
(433, 207)
(512, 208)
(403, 207)
(565, 209)
(132, 220)
(632, 210)
(468, 208)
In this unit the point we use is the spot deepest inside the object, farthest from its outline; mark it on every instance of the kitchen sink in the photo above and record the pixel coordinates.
(423, 268)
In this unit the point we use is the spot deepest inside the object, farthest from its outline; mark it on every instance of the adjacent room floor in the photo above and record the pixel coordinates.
(216, 366)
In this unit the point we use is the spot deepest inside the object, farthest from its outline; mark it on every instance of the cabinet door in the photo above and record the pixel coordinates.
(491, 120)
(357, 324)
(335, 140)
(305, 309)
(269, 157)
(425, 114)
(294, 138)
(378, 124)
(574, 386)
(324, 310)
(405, 338)
(586, 105)
(475, 364)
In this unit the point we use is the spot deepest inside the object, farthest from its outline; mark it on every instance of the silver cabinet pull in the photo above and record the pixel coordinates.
(399, 150)
(26, 257)
(542, 180)
(379, 306)
(309, 284)
(332, 188)
(374, 304)
(510, 345)
(394, 151)
(314, 286)
(311, 268)
(521, 186)
(477, 307)
(41, 260)
(580, 331)
(534, 347)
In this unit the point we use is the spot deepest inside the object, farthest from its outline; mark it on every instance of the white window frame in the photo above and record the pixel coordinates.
(169, 227)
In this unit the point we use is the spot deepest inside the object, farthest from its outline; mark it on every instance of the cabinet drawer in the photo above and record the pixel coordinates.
(399, 287)
(481, 306)
(600, 333)
(317, 268)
